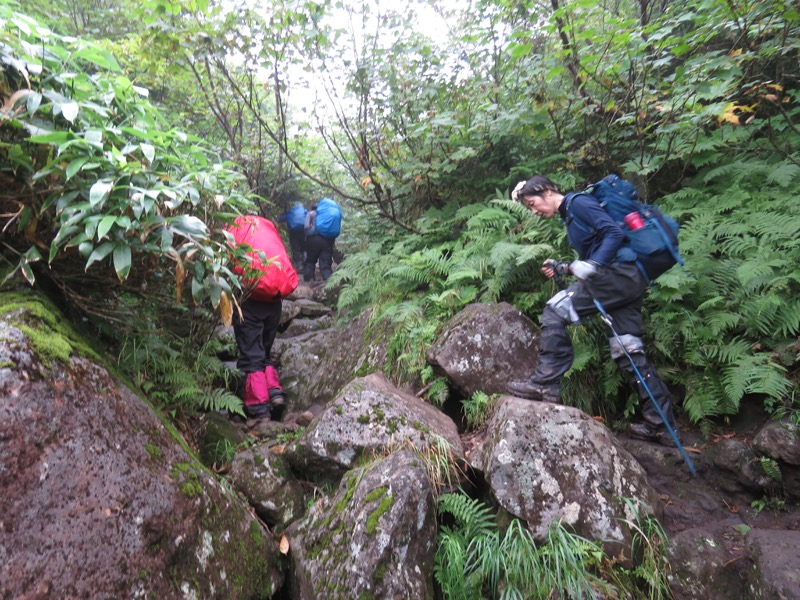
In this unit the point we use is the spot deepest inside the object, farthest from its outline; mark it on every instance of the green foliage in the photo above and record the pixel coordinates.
(177, 377)
(475, 560)
(733, 308)
(649, 578)
(461, 255)
(478, 408)
(107, 180)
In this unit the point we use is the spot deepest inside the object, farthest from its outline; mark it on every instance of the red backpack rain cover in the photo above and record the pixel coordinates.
(279, 278)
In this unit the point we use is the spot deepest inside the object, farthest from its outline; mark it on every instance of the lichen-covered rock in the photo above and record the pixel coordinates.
(369, 416)
(263, 476)
(701, 566)
(300, 326)
(547, 462)
(779, 440)
(484, 347)
(375, 538)
(775, 574)
(311, 308)
(315, 366)
(289, 310)
(99, 498)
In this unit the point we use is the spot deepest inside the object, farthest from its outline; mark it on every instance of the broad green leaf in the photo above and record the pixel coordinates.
(75, 165)
(122, 260)
(149, 151)
(33, 101)
(187, 225)
(99, 57)
(106, 223)
(54, 137)
(70, 111)
(99, 253)
(85, 249)
(94, 137)
(100, 191)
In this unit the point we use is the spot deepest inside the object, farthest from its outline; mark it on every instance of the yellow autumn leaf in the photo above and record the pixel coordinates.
(180, 278)
(225, 309)
(729, 114)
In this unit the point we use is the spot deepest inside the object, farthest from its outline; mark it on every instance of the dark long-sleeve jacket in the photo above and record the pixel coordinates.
(590, 230)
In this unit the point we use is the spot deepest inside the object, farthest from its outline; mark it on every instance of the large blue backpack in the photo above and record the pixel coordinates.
(329, 218)
(653, 246)
(296, 217)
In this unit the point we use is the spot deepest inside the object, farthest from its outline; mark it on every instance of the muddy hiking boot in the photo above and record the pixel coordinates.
(531, 390)
(648, 433)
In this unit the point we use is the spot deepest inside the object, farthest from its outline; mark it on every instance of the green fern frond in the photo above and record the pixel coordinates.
(788, 322)
(221, 399)
(784, 175)
(754, 375)
(472, 516)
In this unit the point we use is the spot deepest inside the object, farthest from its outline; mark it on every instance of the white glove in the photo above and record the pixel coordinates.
(517, 190)
(583, 269)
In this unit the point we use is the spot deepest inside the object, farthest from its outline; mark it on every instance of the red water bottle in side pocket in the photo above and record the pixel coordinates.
(634, 221)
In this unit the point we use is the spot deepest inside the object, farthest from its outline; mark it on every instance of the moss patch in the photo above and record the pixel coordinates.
(385, 504)
(51, 337)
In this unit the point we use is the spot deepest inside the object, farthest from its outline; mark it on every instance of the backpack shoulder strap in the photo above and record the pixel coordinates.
(571, 217)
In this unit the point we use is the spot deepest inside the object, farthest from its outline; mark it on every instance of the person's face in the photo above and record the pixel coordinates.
(542, 205)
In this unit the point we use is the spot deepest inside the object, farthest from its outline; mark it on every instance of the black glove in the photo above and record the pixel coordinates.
(559, 268)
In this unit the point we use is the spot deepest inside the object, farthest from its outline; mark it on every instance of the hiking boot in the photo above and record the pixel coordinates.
(259, 411)
(278, 402)
(648, 433)
(531, 390)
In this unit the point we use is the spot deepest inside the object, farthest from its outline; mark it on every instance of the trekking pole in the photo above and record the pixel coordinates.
(607, 319)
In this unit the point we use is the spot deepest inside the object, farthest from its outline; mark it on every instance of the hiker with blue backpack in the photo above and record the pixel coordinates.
(618, 255)
(323, 225)
(295, 219)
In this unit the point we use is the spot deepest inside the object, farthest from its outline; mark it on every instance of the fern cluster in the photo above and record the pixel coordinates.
(482, 252)
(732, 316)
(474, 559)
(177, 377)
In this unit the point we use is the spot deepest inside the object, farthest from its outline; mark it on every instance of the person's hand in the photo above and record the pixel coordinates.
(552, 268)
(583, 269)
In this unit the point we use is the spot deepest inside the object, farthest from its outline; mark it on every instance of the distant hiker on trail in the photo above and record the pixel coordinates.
(619, 287)
(268, 277)
(295, 219)
(323, 225)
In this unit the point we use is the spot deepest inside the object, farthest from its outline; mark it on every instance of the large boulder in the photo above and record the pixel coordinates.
(316, 365)
(484, 347)
(375, 538)
(547, 462)
(369, 416)
(264, 477)
(701, 565)
(100, 499)
(775, 574)
(779, 440)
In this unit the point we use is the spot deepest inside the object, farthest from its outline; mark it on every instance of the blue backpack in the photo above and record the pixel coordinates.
(296, 217)
(652, 244)
(329, 218)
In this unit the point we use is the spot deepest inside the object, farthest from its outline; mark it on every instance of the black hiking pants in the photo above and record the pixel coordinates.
(255, 333)
(620, 289)
(318, 248)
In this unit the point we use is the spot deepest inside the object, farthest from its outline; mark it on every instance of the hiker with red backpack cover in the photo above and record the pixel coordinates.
(609, 278)
(267, 278)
